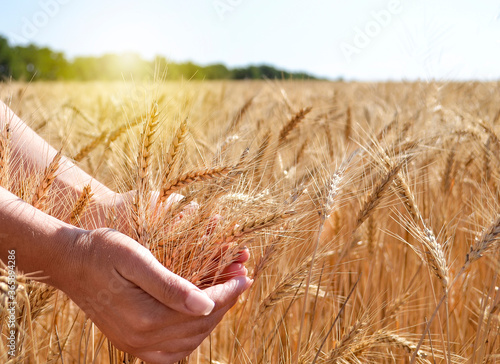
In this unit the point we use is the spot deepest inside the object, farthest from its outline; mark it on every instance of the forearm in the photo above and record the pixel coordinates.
(32, 154)
(41, 242)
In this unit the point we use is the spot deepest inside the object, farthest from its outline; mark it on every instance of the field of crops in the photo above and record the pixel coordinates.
(371, 212)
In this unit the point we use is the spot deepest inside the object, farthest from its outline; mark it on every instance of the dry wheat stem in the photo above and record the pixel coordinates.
(342, 308)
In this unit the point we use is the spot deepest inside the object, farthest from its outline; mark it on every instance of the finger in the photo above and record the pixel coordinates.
(183, 334)
(231, 271)
(243, 256)
(234, 270)
(212, 223)
(217, 274)
(223, 294)
(190, 209)
(173, 291)
(173, 198)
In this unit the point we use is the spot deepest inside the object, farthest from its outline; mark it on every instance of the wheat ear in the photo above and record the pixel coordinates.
(258, 158)
(434, 253)
(48, 177)
(394, 339)
(254, 225)
(174, 152)
(140, 215)
(115, 134)
(190, 177)
(372, 201)
(39, 295)
(239, 116)
(80, 205)
(82, 153)
(487, 241)
(292, 124)
(5, 156)
(347, 341)
(348, 124)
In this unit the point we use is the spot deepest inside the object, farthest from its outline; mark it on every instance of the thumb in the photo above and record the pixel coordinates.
(168, 288)
(226, 294)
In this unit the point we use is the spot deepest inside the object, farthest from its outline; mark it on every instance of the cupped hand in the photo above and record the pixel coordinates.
(143, 308)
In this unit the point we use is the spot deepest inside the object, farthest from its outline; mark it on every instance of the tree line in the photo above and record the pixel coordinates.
(32, 62)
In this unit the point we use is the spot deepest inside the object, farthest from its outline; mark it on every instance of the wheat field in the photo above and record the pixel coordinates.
(371, 212)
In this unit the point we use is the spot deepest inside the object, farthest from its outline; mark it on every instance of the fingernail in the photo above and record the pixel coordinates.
(243, 282)
(199, 303)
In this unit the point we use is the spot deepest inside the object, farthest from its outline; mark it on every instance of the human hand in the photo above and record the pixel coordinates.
(143, 308)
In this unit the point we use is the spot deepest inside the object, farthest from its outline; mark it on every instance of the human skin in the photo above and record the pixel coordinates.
(141, 306)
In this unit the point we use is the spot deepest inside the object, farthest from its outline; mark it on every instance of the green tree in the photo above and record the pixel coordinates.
(34, 63)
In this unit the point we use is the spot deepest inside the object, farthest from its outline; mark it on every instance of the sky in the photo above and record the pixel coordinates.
(371, 40)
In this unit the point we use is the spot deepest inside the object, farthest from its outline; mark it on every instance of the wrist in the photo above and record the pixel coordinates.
(43, 245)
(63, 258)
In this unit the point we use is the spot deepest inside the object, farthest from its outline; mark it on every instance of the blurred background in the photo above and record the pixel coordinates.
(250, 39)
